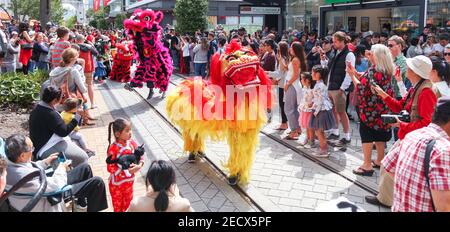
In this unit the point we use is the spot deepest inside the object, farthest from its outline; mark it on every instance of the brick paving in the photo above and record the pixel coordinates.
(283, 180)
(206, 189)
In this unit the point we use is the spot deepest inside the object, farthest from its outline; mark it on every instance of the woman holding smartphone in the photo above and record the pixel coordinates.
(371, 106)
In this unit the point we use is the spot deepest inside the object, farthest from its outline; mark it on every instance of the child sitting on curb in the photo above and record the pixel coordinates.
(71, 106)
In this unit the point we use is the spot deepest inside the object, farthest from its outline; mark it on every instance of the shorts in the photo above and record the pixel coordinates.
(89, 78)
(339, 100)
(369, 135)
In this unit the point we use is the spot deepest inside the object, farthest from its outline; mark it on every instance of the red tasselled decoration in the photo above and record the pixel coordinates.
(233, 46)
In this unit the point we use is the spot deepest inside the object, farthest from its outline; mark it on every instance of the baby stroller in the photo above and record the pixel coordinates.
(65, 192)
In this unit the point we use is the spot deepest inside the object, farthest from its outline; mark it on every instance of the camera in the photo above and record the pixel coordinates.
(390, 118)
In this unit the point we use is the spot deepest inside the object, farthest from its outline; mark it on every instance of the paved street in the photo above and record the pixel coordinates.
(282, 178)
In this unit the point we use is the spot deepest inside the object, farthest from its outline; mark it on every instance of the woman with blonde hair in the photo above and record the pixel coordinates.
(371, 106)
(67, 75)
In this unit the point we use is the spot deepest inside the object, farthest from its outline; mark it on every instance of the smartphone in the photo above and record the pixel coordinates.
(386, 118)
(61, 157)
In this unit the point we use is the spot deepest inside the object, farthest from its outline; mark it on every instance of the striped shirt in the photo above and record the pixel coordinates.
(56, 51)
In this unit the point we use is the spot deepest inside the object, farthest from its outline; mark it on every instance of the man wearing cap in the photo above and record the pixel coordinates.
(87, 51)
(420, 103)
(367, 39)
(312, 50)
(406, 163)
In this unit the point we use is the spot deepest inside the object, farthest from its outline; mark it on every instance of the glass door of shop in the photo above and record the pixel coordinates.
(407, 17)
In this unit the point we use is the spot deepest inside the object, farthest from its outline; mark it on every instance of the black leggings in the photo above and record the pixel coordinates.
(25, 69)
(281, 103)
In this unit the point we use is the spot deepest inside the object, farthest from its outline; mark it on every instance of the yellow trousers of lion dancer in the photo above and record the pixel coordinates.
(194, 145)
(242, 153)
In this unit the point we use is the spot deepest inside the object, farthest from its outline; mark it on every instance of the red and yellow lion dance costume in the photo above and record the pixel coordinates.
(232, 106)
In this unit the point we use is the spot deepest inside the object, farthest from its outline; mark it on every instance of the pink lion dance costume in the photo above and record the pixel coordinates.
(155, 64)
(122, 62)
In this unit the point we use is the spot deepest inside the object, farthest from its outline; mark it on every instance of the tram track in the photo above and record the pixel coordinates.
(298, 151)
(237, 188)
(310, 157)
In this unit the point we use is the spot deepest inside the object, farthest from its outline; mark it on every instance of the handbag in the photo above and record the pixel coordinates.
(26, 46)
(66, 92)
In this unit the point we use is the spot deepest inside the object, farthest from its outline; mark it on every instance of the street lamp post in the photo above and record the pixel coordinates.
(44, 11)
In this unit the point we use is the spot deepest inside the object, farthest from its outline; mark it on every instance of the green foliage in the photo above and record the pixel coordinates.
(100, 21)
(24, 8)
(70, 23)
(119, 20)
(191, 15)
(19, 89)
(56, 11)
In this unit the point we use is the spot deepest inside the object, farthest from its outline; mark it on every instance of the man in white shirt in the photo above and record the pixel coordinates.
(438, 48)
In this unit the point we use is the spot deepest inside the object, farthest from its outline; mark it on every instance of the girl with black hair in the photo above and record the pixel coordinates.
(305, 108)
(322, 118)
(121, 181)
(26, 46)
(162, 192)
(440, 76)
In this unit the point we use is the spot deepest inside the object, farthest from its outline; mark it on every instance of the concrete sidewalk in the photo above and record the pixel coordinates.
(206, 189)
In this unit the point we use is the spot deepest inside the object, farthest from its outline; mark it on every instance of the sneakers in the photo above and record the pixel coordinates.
(233, 180)
(322, 153)
(310, 145)
(269, 116)
(333, 137)
(80, 209)
(191, 158)
(343, 142)
(90, 153)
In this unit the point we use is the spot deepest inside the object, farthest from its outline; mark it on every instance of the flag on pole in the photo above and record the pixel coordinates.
(105, 2)
(96, 5)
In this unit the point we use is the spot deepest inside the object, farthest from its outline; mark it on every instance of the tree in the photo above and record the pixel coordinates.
(22, 9)
(70, 23)
(57, 11)
(119, 20)
(191, 15)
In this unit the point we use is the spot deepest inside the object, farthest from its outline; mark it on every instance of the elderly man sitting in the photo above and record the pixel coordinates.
(90, 191)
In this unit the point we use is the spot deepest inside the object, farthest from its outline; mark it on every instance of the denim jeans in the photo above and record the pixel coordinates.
(200, 69)
(42, 65)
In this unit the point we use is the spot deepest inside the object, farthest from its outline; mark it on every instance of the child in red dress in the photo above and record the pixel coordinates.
(121, 181)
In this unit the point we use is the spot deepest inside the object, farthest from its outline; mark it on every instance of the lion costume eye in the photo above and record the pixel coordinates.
(147, 18)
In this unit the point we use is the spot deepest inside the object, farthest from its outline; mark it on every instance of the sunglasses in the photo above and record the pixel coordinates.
(447, 54)
(390, 45)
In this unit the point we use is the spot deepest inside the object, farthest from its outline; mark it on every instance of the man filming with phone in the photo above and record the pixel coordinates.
(89, 191)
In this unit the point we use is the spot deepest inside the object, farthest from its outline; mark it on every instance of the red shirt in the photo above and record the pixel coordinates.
(406, 161)
(119, 176)
(426, 103)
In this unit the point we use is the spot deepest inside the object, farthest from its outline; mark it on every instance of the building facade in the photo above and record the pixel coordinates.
(75, 8)
(230, 14)
(355, 15)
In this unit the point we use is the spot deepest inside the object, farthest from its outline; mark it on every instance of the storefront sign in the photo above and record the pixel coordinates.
(260, 10)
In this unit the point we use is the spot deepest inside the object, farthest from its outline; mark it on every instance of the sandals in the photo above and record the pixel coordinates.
(363, 172)
(88, 123)
(292, 136)
(374, 165)
(281, 129)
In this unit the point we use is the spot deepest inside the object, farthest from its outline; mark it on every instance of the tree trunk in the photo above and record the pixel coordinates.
(44, 12)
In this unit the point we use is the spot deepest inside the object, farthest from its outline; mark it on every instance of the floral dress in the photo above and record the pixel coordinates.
(371, 106)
